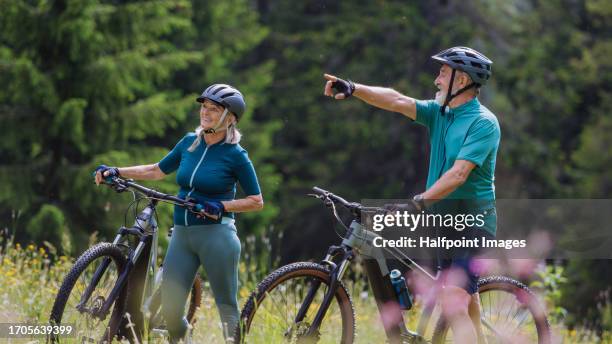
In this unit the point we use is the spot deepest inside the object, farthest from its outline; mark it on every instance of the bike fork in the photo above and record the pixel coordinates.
(122, 280)
(335, 276)
(307, 301)
(100, 270)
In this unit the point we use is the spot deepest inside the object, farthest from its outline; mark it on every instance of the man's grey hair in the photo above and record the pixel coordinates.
(477, 88)
(232, 135)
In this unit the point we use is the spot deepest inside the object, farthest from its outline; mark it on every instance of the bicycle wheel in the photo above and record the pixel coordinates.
(88, 327)
(510, 313)
(195, 298)
(270, 312)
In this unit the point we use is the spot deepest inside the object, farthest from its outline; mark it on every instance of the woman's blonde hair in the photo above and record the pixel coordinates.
(232, 134)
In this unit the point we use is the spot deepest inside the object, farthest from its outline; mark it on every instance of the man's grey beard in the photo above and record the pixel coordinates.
(440, 97)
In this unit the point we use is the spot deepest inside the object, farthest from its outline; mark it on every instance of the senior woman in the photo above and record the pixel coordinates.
(209, 163)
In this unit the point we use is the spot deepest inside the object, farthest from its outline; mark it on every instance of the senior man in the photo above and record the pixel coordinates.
(464, 138)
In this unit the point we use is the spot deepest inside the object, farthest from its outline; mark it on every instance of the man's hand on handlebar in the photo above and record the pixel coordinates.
(103, 171)
(410, 207)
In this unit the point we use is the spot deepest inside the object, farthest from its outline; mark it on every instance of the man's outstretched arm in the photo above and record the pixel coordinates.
(381, 97)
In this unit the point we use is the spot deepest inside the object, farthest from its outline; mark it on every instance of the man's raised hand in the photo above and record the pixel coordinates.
(343, 88)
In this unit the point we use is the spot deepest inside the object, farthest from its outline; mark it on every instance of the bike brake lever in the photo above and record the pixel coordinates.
(317, 196)
(119, 187)
(328, 202)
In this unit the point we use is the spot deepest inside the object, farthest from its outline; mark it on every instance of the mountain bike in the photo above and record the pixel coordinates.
(113, 289)
(307, 302)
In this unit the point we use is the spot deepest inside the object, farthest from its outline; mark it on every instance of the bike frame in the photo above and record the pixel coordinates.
(358, 240)
(141, 273)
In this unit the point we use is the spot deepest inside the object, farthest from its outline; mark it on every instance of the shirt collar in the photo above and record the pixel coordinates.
(220, 143)
(470, 107)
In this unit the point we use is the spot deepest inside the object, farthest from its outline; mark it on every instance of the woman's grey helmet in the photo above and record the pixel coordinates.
(467, 60)
(226, 96)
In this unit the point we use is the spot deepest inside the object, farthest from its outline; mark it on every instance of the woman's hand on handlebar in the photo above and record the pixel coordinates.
(102, 172)
(212, 209)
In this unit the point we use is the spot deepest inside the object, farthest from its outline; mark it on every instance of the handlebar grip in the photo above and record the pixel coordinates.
(319, 190)
(107, 180)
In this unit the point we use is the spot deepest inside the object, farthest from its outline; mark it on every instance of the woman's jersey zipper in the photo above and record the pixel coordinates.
(191, 180)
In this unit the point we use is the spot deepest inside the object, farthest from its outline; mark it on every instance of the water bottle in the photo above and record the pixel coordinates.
(399, 285)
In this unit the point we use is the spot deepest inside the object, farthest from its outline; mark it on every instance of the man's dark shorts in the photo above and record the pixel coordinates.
(462, 260)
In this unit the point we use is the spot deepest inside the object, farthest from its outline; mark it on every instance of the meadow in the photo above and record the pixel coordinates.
(30, 277)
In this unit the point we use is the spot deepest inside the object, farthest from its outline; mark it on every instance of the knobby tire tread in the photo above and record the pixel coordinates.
(511, 285)
(280, 275)
(91, 254)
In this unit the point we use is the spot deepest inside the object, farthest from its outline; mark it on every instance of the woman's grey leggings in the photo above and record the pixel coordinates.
(217, 248)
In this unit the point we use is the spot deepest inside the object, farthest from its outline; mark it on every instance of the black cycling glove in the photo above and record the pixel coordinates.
(112, 171)
(346, 87)
(413, 206)
(214, 208)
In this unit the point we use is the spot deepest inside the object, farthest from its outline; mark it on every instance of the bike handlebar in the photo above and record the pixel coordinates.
(355, 207)
(120, 184)
(334, 198)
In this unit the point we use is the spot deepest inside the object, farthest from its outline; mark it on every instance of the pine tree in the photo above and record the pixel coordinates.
(90, 82)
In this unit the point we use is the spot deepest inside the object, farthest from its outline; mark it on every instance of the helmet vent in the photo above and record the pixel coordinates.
(471, 55)
(459, 61)
(476, 64)
(227, 95)
(218, 89)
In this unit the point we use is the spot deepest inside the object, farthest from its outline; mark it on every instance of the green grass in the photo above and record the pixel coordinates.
(30, 277)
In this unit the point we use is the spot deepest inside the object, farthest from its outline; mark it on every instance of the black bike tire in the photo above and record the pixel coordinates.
(285, 273)
(91, 254)
(194, 302)
(510, 285)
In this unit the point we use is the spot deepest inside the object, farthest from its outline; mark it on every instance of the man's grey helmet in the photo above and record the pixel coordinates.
(226, 96)
(468, 60)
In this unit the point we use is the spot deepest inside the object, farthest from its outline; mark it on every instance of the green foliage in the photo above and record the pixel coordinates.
(49, 224)
(91, 82)
(594, 157)
(331, 144)
(586, 295)
(551, 280)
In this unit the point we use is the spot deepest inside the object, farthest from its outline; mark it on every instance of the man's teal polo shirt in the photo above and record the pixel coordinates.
(468, 132)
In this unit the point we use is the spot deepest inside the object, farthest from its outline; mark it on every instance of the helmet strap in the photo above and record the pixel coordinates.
(450, 96)
(219, 124)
